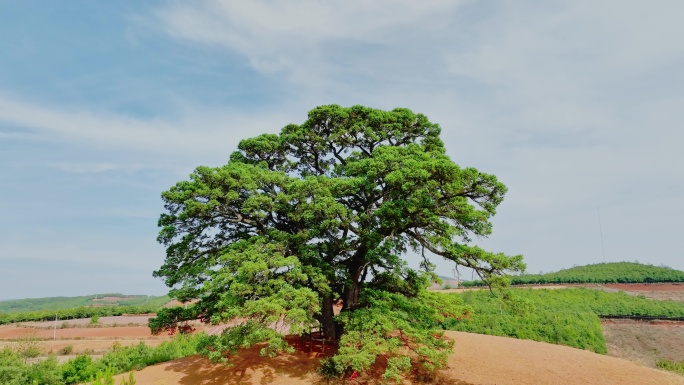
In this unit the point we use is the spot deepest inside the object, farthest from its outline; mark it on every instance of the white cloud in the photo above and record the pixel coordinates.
(573, 105)
(86, 168)
(203, 134)
(299, 39)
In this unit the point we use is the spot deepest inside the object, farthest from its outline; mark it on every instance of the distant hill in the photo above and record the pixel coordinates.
(608, 272)
(95, 300)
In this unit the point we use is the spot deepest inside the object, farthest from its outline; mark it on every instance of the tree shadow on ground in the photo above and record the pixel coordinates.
(249, 367)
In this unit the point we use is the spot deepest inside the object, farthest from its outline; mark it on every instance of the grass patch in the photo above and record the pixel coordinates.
(673, 366)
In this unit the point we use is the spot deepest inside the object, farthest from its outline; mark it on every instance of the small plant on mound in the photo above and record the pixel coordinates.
(95, 320)
(65, 351)
(671, 365)
(27, 346)
(106, 377)
(130, 381)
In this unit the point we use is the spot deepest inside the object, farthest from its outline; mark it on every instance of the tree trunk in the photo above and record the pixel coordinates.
(327, 323)
(352, 292)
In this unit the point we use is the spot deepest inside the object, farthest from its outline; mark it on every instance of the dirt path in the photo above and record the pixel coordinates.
(478, 360)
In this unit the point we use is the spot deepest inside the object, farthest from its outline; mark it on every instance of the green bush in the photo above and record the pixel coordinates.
(13, 370)
(46, 372)
(65, 351)
(671, 365)
(79, 369)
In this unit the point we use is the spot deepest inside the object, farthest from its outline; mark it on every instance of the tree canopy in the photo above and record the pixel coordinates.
(322, 216)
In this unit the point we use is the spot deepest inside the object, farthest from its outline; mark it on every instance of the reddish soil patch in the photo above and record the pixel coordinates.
(478, 359)
(76, 333)
(646, 286)
(128, 320)
(533, 287)
(659, 291)
(176, 303)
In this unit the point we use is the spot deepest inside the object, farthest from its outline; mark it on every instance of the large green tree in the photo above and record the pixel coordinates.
(323, 215)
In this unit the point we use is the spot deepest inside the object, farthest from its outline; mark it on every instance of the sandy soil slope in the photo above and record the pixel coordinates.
(478, 360)
(644, 342)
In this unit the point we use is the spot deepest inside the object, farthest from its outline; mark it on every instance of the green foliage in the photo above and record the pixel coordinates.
(172, 318)
(673, 366)
(609, 272)
(105, 377)
(566, 317)
(81, 369)
(128, 381)
(122, 359)
(61, 303)
(95, 319)
(322, 213)
(12, 368)
(46, 372)
(401, 330)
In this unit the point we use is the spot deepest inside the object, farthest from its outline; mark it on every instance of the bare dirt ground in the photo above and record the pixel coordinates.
(644, 342)
(478, 360)
(534, 287)
(125, 320)
(661, 291)
(78, 333)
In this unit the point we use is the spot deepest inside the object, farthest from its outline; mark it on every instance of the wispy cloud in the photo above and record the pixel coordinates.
(199, 132)
(309, 41)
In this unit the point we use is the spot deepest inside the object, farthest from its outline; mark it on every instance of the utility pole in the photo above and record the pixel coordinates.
(54, 333)
(603, 249)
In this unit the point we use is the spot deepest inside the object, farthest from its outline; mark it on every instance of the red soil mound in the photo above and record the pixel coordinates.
(478, 360)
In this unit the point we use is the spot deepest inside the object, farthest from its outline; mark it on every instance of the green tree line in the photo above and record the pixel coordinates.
(57, 303)
(610, 272)
(74, 313)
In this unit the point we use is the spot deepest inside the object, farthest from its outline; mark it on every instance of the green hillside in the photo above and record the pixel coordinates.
(95, 300)
(565, 317)
(609, 272)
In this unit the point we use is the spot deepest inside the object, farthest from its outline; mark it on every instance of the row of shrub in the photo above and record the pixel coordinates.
(610, 272)
(74, 313)
(15, 370)
(566, 317)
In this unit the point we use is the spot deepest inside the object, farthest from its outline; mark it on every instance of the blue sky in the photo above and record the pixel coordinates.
(574, 105)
